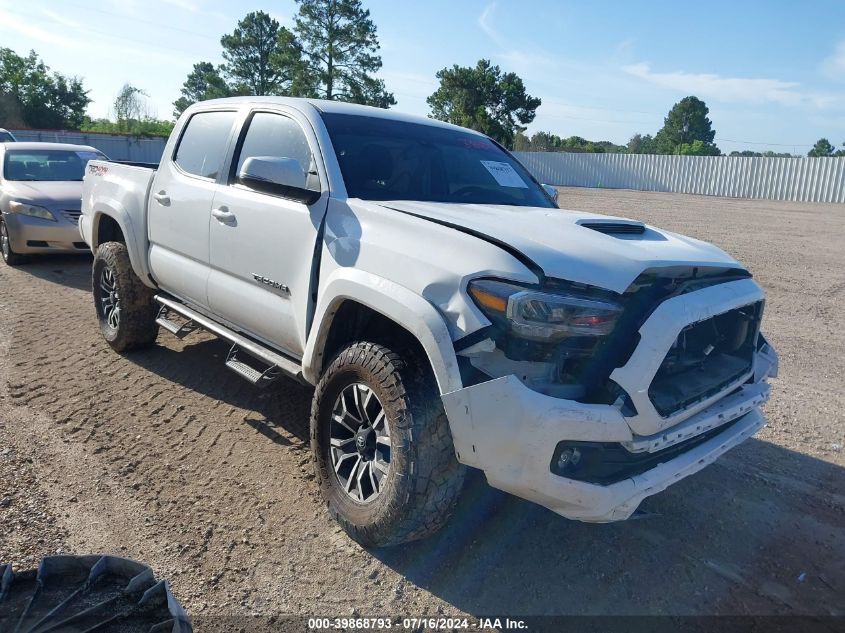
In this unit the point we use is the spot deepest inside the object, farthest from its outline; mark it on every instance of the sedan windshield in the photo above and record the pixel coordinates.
(47, 164)
(383, 159)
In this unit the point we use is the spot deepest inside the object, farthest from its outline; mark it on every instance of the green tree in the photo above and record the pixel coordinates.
(340, 45)
(546, 142)
(204, 82)
(10, 112)
(686, 122)
(485, 99)
(521, 143)
(823, 147)
(642, 144)
(297, 76)
(253, 62)
(148, 127)
(697, 148)
(767, 154)
(37, 96)
(133, 116)
(130, 106)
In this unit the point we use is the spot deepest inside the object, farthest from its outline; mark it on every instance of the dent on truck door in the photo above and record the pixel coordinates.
(180, 202)
(262, 245)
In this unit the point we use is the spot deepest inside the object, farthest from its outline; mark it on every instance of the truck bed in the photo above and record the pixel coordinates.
(121, 191)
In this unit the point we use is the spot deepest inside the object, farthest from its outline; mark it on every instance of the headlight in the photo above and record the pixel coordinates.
(543, 316)
(30, 209)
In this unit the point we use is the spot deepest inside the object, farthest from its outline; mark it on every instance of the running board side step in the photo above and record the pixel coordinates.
(179, 330)
(240, 343)
(248, 372)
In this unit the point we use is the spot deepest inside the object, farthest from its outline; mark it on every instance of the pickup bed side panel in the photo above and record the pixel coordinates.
(119, 192)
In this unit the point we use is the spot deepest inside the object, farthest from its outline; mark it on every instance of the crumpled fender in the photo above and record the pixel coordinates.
(396, 302)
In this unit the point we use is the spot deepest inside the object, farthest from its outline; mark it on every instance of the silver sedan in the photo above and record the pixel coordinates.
(41, 197)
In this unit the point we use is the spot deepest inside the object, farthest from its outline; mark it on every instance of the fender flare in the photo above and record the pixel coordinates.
(399, 304)
(135, 240)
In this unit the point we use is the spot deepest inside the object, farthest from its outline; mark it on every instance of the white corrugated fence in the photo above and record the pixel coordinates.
(115, 146)
(796, 179)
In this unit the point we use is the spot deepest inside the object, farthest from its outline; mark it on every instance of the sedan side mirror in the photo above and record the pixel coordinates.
(552, 191)
(277, 175)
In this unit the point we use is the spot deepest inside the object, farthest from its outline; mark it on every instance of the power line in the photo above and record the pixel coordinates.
(595, 107)
(730, 140)
(150, 22)
(117, 36)
(216, 39)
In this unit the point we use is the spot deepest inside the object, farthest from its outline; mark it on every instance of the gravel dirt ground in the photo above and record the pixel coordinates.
(165, 457)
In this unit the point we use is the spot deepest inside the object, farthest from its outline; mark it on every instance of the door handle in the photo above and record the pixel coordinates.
(224, 216)
(162, 198)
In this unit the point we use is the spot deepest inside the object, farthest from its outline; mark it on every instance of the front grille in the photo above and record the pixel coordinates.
(706, 358)
(640, 300)
(72, 215)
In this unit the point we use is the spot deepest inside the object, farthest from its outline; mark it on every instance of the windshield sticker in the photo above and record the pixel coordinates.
(88, 155)
(504, 174)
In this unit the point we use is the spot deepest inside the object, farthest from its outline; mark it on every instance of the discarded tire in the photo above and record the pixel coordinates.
(106, 594)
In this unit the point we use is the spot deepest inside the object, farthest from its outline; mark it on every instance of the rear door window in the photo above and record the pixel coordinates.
(202, 148)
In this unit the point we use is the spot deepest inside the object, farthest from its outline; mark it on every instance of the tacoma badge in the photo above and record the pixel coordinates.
(269, 282)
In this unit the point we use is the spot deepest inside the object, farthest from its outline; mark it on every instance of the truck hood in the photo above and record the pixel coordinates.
(60, 194)
(555, 241)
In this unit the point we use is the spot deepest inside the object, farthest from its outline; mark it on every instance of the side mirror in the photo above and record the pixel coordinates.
(277, 175)
(552, 191)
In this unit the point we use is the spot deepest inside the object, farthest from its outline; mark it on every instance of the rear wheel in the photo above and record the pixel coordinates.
(125, 307)
(9, 256)
(384, 455)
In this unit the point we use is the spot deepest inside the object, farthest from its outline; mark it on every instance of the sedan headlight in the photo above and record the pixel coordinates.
(543, 315)
(31, 209)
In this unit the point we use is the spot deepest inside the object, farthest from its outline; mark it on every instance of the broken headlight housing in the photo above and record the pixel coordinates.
(551, 337)
(543, 316)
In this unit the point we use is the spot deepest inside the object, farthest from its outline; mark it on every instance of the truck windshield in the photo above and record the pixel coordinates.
(47, 164)
(383, 159)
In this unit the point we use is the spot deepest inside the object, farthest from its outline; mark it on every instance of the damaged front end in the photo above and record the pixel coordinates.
(586, 401)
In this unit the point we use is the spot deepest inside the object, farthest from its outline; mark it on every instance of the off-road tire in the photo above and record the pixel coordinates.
(425, 478)
(137, 325)
(9, 256)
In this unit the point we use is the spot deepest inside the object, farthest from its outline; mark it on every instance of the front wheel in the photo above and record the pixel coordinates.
(125, 307)
(9, 256)
(385, 460)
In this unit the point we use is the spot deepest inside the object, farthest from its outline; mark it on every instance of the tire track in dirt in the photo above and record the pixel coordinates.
(179, 463)
(177, 441)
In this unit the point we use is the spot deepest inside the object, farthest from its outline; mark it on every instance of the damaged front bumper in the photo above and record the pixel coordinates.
(515, 434)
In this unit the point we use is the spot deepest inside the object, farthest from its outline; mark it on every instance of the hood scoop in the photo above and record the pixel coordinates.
(614, 227)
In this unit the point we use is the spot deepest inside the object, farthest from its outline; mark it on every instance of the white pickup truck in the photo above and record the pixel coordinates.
(448, 313)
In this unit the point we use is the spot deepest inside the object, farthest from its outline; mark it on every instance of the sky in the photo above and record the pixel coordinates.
(772, 73)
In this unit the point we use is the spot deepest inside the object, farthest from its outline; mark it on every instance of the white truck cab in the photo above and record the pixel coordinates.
(447, 312)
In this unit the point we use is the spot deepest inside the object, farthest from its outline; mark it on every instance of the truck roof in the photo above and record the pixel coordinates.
(340, 107)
